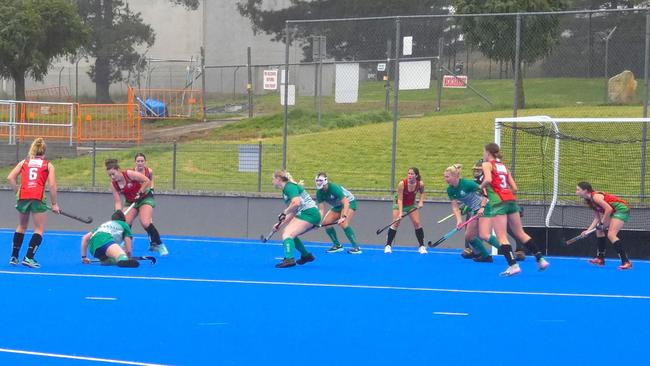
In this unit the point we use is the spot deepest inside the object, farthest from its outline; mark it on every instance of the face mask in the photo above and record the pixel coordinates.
(320, 182)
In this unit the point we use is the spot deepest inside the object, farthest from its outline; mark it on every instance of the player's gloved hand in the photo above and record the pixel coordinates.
(281, 217)
(85, 260)
(600, 226)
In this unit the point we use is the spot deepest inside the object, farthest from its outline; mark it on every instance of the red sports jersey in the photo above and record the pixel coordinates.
(500, 181)
(130, 189)
(408, 198)
(609, 198)
(147, 173)
(33, 176)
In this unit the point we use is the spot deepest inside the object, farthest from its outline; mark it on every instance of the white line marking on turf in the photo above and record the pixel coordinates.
(56, 355)
(451, 314)
(333, 285)
(101, 298)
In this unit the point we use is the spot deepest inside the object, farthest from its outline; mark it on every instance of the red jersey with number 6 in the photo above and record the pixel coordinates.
(500, 181)
(33, 176)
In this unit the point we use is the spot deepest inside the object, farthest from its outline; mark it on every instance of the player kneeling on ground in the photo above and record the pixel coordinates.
(104, 243)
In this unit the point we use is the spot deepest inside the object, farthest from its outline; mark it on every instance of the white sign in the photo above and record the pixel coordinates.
(249, 158)
(451, 81)
(407, 50)
(381, 67)
(270, 79)
(292, 94)
(347, 83)
(414, 75)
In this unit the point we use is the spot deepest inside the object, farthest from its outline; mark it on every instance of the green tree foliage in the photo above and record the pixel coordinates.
(495, 36)
(366, 40)
(33, 33)
(116, 32)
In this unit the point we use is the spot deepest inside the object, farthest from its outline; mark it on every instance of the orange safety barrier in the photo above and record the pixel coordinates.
(109, 122)
(178, 103)
(22, 121)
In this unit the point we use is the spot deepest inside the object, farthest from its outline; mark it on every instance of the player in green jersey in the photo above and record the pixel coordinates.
(104, 242)
(300, 216)
(343, 208)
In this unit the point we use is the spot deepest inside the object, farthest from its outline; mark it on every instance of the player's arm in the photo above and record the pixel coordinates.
(84, 248)
(321, 209)
(145, 183)
(128, 246)
(13, 174)
(346, 209)
(599, 200)
(487, 175)
(455, 209)
(511, 183)
(151, 179)
(51, 182)
(117, 200)
(421, 200)
(400, 202)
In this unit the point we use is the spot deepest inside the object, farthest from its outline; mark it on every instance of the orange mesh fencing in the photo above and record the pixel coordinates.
(178, 103)
(109, 122)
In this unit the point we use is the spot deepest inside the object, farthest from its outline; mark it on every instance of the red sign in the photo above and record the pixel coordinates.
(270, 79)
(451, 81)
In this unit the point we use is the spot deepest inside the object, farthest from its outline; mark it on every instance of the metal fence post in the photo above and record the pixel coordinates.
(94, 164)
(515, 104)
(259, 167)
(286, 96)
(249, 85)
(203, 81)
(174, 166)
(646, 65)
(387, 75)
(395, 104)
(441, 49)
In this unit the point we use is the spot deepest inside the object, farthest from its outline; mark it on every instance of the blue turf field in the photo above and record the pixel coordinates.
(221, 302)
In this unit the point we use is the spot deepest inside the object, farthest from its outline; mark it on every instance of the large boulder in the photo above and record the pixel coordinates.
(621, 88)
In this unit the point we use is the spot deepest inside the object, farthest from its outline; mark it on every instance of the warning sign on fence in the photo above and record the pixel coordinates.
(451, 81)
(270, 79)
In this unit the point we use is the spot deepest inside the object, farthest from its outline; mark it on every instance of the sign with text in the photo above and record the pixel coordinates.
(270, 79)
(451, 81)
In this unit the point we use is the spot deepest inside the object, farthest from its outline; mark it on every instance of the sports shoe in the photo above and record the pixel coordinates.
(286, 262)
(626, 265)
(160, 248)
(542, 264)
(31, 263)
(128, 263)
(487, 259)
(597, 261)
(13, 261)
(467, 254)
(388, 249)
(356, 250)
(335, 249)
(520, 256)
(511, 271)
(422, 249)
(306, 259)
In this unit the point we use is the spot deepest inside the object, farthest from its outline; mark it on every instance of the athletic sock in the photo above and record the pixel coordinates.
(530, 244)
(478, 244)
(300, 246)
(618, 246)
(18, 243)
(154, 236)
(352, 237)
(507, 253)
(122, 257)
(494, 242)
(332, 234)
(602, 247)
(419, 233)
(391, 236)
(34, 243)
(288, 245)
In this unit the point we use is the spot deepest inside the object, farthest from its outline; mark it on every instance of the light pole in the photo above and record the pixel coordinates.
(606, 37)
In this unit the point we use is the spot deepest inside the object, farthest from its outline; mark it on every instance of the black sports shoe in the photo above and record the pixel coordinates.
(520, 255)
(487, 259)
(467, 254)
(306, 259)
(286, 262)
(128, 263)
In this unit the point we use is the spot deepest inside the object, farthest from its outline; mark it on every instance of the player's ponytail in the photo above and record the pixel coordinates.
(37, 148)
(494, 150)
(454, 169)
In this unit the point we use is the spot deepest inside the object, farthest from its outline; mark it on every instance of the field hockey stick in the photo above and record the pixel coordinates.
(87, 220)
(379, 231)
(451, 232)
(129, 208)
(149, 258)
(580, 237)
(268, 236)
(462, 208)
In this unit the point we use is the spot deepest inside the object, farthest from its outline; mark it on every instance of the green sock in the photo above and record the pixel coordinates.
(478, 244)
(494, 242)
(301, 247)
(288, 245)
(332, 234)
(122, 257)
(352, 237)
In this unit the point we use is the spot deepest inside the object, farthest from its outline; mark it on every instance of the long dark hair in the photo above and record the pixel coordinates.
(493, 149)
(417, 173)
(586, 186)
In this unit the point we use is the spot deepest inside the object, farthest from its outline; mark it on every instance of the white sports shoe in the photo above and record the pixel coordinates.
(511, 271)
(422, 249)
(388, 249)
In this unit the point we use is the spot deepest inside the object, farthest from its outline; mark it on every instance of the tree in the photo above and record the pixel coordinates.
(34, 33)
(350, 40)
(495, 36)
(116, 32)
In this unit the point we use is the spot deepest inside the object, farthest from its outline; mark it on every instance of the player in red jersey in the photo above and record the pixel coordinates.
(35, 173)
(141, 167)
(610, 213)
(407, 190)
(136, 188)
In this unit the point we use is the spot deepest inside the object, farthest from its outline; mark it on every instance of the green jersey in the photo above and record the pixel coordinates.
(108, 232)
(334, 195)
(292, 190)
(467, 192)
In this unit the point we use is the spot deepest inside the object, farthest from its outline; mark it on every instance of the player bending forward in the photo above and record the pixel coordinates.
(104, 243)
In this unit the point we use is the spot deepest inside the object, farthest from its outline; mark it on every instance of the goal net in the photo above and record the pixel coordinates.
(549, 156)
